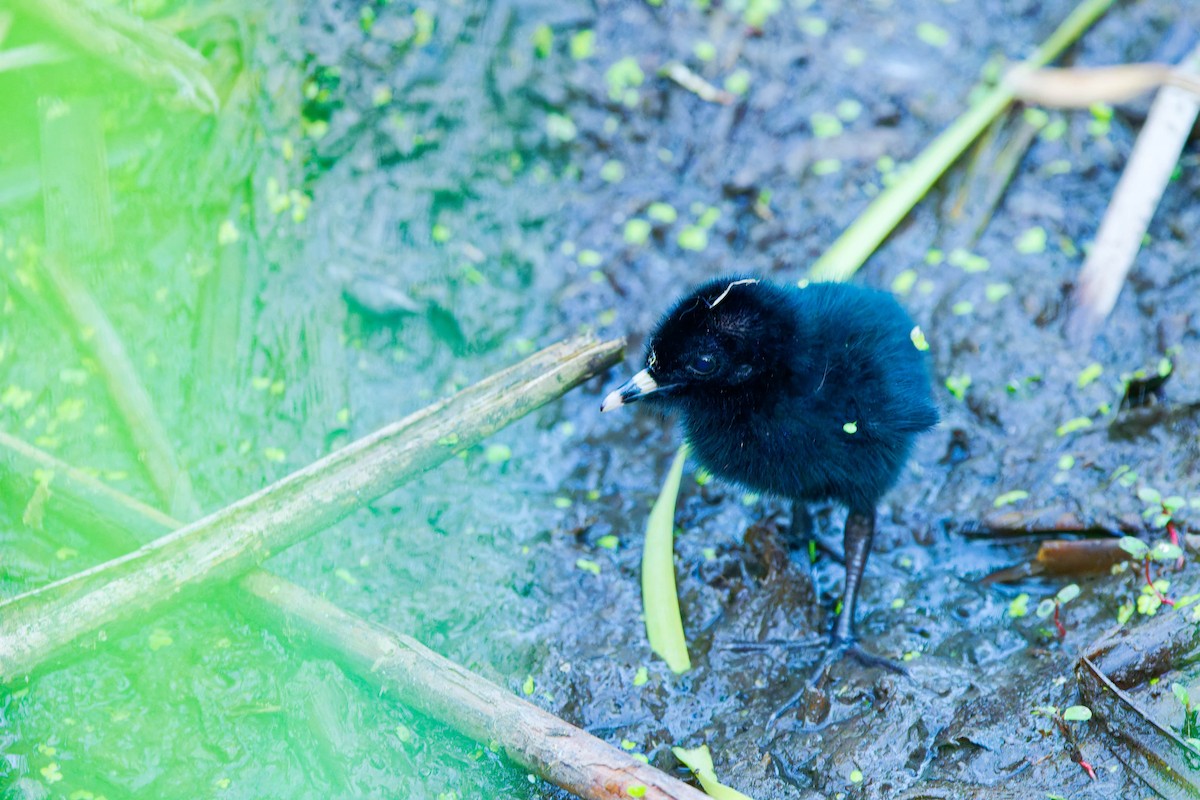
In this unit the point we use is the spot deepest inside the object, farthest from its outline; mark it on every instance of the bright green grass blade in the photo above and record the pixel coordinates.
(700, 762)
(660, 601)
(859, 241)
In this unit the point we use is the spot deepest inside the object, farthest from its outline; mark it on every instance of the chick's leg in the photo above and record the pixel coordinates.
(859, 534)
(802, 535)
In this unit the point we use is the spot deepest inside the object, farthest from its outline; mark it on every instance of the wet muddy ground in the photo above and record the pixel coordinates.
(470, 184)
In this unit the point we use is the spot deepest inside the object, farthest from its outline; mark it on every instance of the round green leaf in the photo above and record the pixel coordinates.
(1068, 593)
(1133, 545)
(1077, 714)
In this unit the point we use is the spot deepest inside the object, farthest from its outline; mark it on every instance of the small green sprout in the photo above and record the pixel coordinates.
(967, 261)
(958, 385)
(759, 11)
(738, 82)
(849, 109)
(1089, 374)
(623, 78)
(1154, 592)
(708, 217)
(662, 212)
(693, 237)
(497, 453)
(826, 166)
(587, 565)
(904, 282)
(996, 292)
(589, 258)
(1009, 498)
(560, 128)
(1073, 425)
(583, 44)
(1032, 241)
(543, 40)
(918, 339)
(1190, 729)
(637, 231)
(814, 26)
(825, 125)
(613, 171)
(1053, 605)
(933, 35)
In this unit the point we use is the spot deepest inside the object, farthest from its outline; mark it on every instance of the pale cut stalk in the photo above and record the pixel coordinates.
(1125, 222)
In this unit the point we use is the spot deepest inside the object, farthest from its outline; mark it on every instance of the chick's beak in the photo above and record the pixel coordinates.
(631, 391)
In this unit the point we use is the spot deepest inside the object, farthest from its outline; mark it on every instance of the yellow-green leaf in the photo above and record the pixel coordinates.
(664, 626)
(700, 762)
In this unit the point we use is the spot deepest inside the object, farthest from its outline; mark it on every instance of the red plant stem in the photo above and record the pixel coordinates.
(1173, 532)
(1062, 629)
(1088, 768)
(1162, 598)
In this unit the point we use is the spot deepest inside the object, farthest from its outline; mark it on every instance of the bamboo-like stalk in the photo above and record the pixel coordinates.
(396, 665)
(39, 624)
(872, 226)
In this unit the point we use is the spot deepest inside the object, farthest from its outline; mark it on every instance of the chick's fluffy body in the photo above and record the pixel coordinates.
(808, 393)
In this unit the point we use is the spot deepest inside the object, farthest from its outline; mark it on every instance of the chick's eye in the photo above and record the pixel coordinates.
(703, 364)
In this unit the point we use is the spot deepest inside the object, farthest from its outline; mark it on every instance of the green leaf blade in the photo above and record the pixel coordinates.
(660, 600)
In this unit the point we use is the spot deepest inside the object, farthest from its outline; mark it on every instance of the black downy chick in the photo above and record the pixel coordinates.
(808, 393)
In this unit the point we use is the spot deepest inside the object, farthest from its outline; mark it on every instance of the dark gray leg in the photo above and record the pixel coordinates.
(860, 533)
(802, 535)
(800, 531)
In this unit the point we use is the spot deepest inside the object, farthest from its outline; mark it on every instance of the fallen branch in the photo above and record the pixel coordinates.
(390, 662)
(1119, 669)
(563, 754)
(39, 624)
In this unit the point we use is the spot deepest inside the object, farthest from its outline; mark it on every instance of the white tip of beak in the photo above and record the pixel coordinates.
(637, 386)
(613, 400)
